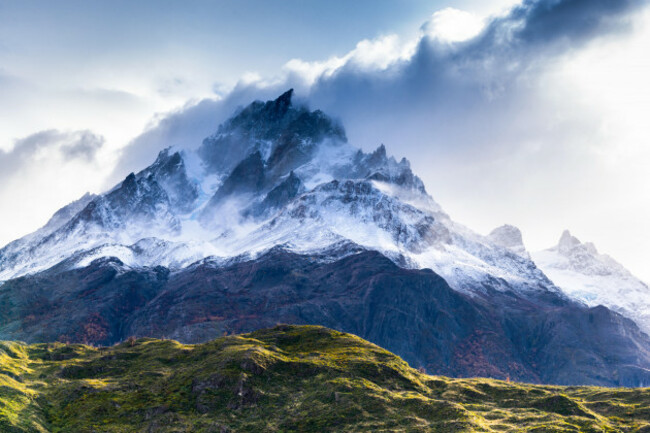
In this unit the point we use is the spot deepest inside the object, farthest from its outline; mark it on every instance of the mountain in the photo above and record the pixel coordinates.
(274, 174)
(289, 379)
(276, 217)
(596, 279)
(412, 312)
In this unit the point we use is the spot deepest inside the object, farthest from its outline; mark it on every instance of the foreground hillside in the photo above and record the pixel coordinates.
(289, 378)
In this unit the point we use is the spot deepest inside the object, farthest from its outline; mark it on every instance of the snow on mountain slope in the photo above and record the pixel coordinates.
(275, 174)
(595, 278)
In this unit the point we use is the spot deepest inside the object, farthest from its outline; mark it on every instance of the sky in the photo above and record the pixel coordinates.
(530, 113)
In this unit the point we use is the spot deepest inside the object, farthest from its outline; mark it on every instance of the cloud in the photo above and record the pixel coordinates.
(45, 171)
(500, 133)
(453, 25)
(482, 97)
(183, 128)
(368, 56)
(69, 146)
(548, 21)
(461, 69)
(507, 46)
(448, 93)
(83, 145)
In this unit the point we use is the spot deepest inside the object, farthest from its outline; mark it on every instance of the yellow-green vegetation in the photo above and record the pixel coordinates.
(285, 379)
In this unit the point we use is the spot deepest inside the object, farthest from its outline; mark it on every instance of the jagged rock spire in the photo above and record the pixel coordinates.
(567, 241)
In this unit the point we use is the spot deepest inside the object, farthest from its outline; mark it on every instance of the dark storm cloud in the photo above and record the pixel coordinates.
(550, 20)
(508, 44)
(478, 94)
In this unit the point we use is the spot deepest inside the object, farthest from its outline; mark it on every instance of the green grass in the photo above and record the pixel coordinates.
(285, 379)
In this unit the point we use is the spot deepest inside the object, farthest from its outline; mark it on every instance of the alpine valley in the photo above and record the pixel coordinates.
(276, 218)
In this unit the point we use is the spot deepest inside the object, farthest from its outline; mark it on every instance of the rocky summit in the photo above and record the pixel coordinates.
(595, 278)
(277, 218)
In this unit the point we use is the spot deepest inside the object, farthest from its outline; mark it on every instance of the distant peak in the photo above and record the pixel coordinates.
(591, 248)
(378, 157)
(508, 236)
(567, 241)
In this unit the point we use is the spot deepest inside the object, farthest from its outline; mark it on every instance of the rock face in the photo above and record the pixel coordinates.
(284, 135)
(170, 172)
(277, 218)
(595, 279)
(248, 177)
(415, 313)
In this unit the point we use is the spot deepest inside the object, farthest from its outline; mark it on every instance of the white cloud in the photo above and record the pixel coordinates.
(369, 55)
(47, 170)
(608, 83)
(453, 25)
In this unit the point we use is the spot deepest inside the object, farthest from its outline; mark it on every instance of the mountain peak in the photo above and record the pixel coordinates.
(380, 152)
(283, 102)
(166, 160)
(595, 279)
(278, 108)
(567, 242)
(509, 236)
(275, 128)
(129, 182)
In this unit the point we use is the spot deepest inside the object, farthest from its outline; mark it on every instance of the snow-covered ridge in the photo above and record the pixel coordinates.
(596, 279)
(275, 174)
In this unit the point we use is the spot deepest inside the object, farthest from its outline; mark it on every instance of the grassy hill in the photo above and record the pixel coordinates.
(285, 379)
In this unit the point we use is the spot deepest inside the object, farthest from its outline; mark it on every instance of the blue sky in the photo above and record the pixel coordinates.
(533, 116)
(231, 35)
